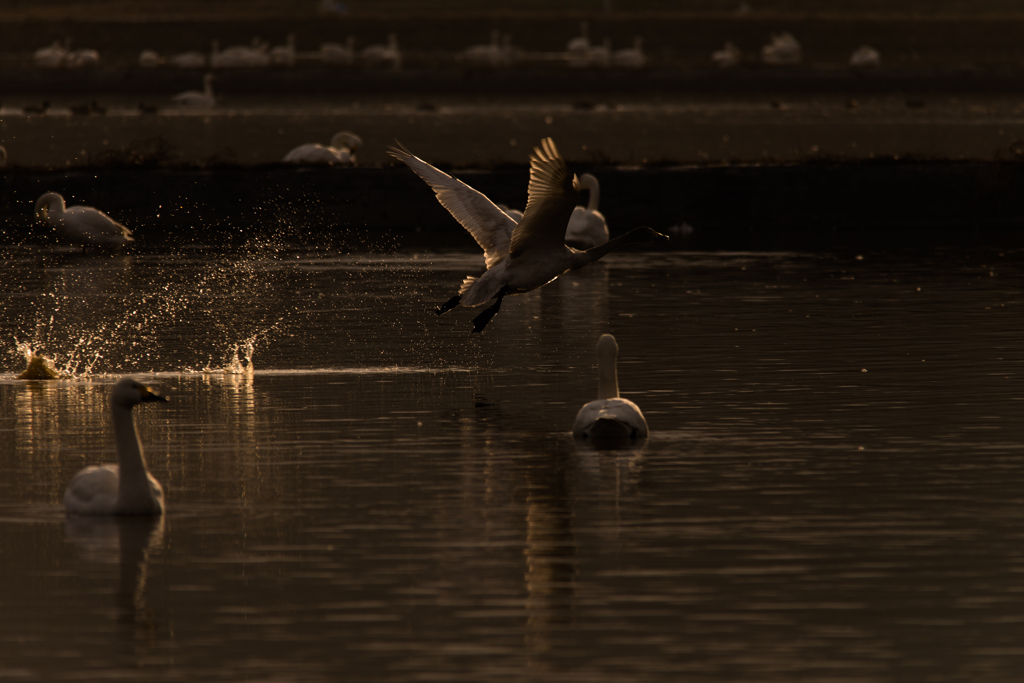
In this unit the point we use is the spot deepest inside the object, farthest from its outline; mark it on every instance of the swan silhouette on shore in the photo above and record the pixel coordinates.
(342, 150)
(80, 224)
(587, 227)
(126, 488)
(524, 256)
(609, 417)
(197, 98)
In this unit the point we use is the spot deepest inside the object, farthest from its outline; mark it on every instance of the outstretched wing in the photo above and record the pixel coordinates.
(553, 194)
(490, 226)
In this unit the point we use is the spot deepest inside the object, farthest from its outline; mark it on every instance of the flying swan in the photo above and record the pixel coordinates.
(609, 417)
(524, 256)
(80, 224)
(126, 488)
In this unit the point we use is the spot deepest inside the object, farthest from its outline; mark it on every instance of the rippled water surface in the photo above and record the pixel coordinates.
(831, 490)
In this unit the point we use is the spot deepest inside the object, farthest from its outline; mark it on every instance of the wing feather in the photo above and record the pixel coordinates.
(490, 226)
(553, 194)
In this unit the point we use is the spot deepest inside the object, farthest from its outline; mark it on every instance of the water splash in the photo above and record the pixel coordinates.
(37, 366)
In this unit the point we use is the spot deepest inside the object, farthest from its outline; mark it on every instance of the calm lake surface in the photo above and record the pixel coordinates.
(832, 489)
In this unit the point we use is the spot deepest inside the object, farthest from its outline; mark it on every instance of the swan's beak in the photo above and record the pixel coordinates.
(147, 395)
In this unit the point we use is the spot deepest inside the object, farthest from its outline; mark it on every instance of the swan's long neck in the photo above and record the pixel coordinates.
(608, 376)
(584, 258)
(131, 462)
(589, 183)
(208, 86)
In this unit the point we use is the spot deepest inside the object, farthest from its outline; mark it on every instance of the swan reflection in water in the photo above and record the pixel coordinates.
(127, 542)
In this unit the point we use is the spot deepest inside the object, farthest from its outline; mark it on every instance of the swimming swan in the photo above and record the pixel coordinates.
(195, 98)
(80, 224)
(587, 227)
(524, 256)
(126, 488)
(342, 150)
(609, 417)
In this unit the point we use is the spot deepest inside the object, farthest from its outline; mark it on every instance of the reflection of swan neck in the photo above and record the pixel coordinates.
(132, 473)
(608, 379)
(589, 183)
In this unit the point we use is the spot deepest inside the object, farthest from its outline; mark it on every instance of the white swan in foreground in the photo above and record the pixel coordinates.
(520, 257)
(196, 98)
(609, 417)
(126, 488)
(342, 150)
(587, 227)
(80, 224)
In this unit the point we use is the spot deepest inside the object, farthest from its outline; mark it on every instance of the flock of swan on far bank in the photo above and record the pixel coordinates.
(519, 257)
(580, 51)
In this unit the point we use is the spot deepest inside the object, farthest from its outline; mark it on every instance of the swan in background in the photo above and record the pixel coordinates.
(126, 488)
(196, 98)
(336, 53)
(383, 54)
(631, 57)
(284, 55)
(865, 55)
(51, 57)
(188, 60)
(150, 58)
(728, 57)
(514, 214)
(80, 224)
(524, 256)
(783, 50)
(3, 156)
(496, 53)
(239, 56)
(580, 43)
(342, 150)
(609, 417)
(587, 227)
(79, 59)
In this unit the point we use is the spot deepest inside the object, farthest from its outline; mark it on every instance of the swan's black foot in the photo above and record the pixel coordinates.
(449, 305)
(480, 322)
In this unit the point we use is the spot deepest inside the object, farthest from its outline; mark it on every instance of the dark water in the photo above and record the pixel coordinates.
(831, 490)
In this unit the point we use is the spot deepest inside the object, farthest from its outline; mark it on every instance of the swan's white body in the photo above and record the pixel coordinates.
(197, 98)
(496, 53)
(77, 59)
(587, 227)
(80, 224)
(383, 54)
(336, 53)
(284, 55)
(631, 57)
(239, 56)
(524, 256)
(342, 150)
(150, 59)
(865, 55)
(188, 60)
(50, 57)
(126, 488)
(609, 417)
(728, 57)
(783, 50)
(580, 43)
